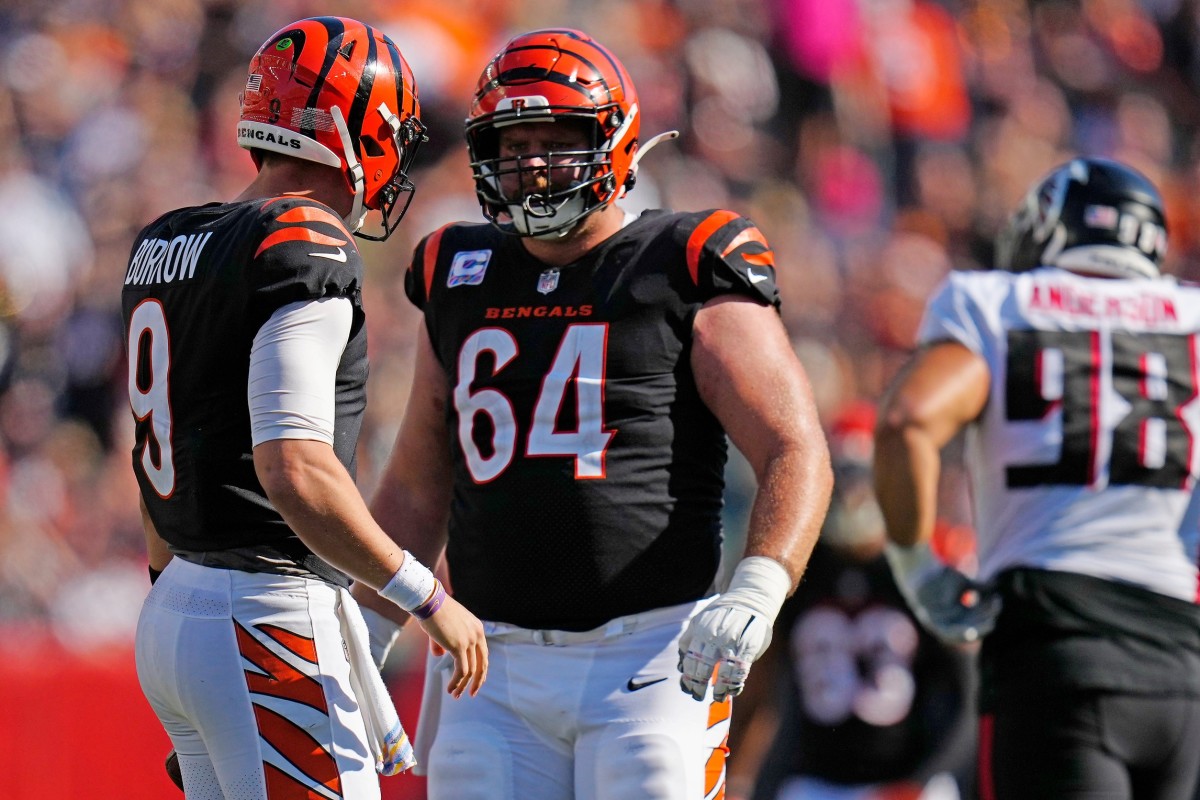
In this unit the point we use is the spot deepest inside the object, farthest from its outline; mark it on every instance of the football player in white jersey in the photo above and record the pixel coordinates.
(1073, 371)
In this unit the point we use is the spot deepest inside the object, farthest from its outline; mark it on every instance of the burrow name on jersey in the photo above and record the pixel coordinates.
(267, 136)
(164, 261)
(1147, 309)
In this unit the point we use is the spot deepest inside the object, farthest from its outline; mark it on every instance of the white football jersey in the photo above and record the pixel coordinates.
(1086, 456)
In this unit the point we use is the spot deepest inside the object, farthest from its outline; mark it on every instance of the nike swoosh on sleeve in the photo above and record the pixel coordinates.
(340, 255)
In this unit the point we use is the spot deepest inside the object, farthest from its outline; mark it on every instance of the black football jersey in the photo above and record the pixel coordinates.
(588, 472)
(866, 694)
(200, 283)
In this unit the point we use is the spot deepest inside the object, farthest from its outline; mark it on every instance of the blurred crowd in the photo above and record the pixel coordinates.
(877, 143)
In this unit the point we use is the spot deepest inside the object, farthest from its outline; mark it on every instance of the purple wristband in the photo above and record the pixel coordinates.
(430, 606)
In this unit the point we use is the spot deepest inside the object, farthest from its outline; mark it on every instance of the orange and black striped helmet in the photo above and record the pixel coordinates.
(550, 75)
(338, 92)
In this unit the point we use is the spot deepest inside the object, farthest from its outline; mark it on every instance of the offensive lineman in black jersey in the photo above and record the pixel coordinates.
(247, 363)
(1073, 370)
(577, 372)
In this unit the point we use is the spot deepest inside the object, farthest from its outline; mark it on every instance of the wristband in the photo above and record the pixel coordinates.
(412, 585)
(430, 606)
(759, 583)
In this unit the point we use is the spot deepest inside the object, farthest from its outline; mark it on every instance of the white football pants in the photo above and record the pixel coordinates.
(596, 715)
(250, 677)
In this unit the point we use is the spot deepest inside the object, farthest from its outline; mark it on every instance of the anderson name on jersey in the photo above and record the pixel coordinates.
(587, 468)
(200, 284)
(1094, 387)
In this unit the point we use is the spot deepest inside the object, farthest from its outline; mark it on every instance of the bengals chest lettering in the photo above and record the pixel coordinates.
(525, 312)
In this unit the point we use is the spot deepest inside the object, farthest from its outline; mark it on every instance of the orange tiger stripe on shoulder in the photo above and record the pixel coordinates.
(766, 259)
(432, 245)
(312, 214)
(695, 244)
(296, 232)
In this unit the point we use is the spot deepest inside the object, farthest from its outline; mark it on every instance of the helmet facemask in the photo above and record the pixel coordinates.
(406, 137)
(549, 77)
(546, 194)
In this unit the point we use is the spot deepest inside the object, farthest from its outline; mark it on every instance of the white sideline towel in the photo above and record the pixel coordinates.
(431, 707)
(385, 735)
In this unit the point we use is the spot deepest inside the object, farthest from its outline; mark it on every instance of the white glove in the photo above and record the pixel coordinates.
(733, 631)
(382, 633)
(950, 605)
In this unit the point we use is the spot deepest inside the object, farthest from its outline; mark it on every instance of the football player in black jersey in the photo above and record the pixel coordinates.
(1073, 371)
(247, 363)
(577, 372)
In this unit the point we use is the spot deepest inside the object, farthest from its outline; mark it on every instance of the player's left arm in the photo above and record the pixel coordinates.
(750, 378)
(937, 393)
(941, 390)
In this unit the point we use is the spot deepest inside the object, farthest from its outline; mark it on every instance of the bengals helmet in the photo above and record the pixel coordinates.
(1093, 216)
(335, 91)
(547, 76)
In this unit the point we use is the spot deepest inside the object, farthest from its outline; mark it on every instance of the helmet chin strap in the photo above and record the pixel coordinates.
(531, 223)
(358, 213)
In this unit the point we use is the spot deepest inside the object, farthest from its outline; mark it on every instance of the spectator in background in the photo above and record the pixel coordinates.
(1072, 369)
(855, 700)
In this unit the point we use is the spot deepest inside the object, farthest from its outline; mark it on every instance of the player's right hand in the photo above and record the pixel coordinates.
(455, 630)
(955, 608)
(951, 606)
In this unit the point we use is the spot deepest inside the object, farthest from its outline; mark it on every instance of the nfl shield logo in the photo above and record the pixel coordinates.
(548, 281)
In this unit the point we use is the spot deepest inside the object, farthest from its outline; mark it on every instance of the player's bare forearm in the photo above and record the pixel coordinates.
(315, 494)
(939, 391)
(318, 499)
(412, 500)
(789, 508)
(906, 474)
(762, 397)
